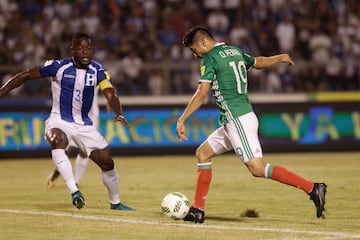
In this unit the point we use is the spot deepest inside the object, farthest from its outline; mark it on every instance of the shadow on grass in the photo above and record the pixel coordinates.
(225, 219)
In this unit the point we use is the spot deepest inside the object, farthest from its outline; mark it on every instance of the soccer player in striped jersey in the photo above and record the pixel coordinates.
(223, 69)
(73, 86)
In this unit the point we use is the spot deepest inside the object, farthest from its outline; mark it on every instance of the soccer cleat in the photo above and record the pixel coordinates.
(78, 199)
(318, 197)
(120, 206)
(50, 181)
(195, 215)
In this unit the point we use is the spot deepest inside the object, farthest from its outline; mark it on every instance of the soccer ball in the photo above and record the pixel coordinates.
(175, 205)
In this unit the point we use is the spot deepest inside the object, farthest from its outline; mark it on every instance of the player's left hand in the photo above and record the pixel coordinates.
(122, 119)
(180, 130)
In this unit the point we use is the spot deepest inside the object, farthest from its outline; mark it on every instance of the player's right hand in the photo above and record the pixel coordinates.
(288, 60)
(180, 130)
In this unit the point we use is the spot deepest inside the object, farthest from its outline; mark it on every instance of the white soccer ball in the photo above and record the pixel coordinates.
(175, 205)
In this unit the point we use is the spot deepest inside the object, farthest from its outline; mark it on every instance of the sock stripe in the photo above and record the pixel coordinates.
(268, 170)
(202, 166)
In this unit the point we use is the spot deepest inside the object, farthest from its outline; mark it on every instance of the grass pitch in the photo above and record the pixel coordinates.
(28, 210)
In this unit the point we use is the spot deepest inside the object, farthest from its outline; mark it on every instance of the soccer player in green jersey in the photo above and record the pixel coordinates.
(223, 69)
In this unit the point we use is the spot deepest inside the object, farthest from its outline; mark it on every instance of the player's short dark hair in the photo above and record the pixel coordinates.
(77, 36)
(191, 35)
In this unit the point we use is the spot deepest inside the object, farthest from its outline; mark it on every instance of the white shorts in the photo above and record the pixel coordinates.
(241, 134)
(73, 144)
(86, 138)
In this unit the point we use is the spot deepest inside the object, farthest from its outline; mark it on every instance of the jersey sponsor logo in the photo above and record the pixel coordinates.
(69, 76)
(202, 70)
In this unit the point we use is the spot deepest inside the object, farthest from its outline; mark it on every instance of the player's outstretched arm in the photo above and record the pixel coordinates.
(194, 104)
(19, 78)
(263, 62)
(115, 105)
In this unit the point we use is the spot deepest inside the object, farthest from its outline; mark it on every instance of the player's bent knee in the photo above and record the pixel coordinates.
(202, 156)
(57, 138)
(103, 159)
(204, 153)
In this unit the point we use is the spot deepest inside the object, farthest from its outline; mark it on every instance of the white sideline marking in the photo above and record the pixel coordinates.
(327, 235)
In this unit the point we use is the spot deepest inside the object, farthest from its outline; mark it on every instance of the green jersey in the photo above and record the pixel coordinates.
(226, 68)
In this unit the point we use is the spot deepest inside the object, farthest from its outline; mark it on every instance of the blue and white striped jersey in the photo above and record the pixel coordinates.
(74, 90)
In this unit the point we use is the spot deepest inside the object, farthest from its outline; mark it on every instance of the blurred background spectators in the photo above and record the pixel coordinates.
(139, 41)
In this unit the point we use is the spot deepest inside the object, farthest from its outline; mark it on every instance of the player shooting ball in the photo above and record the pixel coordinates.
(224, 69)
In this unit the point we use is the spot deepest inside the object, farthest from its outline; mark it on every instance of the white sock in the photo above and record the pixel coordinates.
(80, 167)
(63, 165)
(111, 181)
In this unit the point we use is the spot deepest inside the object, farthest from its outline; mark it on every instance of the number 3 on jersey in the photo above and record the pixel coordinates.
(240, 75)
(77, 95)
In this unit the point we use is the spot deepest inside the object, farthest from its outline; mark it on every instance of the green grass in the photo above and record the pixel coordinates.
(28, 210)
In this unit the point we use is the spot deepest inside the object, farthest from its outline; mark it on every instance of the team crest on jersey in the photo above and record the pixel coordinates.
(90, 79)
(202, 70)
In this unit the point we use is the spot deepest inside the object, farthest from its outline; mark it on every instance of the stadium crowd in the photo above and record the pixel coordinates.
(140, 40)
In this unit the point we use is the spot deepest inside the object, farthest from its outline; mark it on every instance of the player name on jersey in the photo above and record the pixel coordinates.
(229, 53)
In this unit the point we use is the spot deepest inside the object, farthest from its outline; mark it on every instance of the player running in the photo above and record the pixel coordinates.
(73, 86)
(223, 69)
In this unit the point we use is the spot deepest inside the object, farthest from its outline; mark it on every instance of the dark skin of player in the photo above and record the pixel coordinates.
(82, 52)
